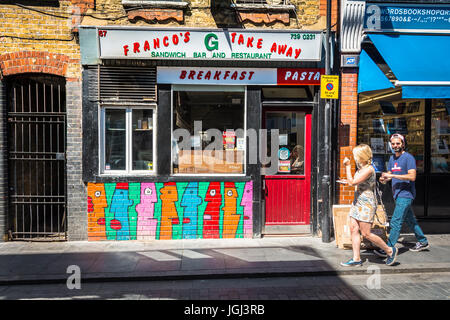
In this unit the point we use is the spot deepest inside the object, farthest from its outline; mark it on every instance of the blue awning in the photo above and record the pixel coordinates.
(371, 77)
(420, 58)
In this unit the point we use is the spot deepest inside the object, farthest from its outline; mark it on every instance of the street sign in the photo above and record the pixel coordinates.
(329, 87)
(350, 60)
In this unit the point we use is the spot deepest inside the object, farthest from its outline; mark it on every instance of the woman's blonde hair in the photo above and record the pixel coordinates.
(362, 154)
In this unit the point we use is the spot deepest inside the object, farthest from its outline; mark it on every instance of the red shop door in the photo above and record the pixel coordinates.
(287, 193)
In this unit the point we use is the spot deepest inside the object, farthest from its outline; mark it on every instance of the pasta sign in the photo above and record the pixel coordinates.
(218, 44)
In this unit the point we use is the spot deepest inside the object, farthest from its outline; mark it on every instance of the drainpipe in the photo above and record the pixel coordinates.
(326, 205)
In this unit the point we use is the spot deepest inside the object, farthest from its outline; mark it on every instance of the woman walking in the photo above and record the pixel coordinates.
(364, 206)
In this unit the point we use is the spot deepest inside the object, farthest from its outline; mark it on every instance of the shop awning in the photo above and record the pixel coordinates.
(419, 62)
(371, 77)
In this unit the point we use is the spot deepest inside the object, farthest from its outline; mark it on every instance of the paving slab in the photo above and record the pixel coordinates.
(47, 262)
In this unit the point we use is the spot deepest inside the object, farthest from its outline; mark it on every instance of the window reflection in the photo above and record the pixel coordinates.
(142, 150)
(210, 119)
(382, 114)
(440, 136)
(291, 126)
(115, 136)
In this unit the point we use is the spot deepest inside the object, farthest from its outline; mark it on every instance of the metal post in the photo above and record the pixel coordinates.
(325, 221)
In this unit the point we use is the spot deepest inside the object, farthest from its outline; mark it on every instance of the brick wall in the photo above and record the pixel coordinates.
(37, 42)
(349, 114)
(76, 190)
(334, 10)
(310, 15)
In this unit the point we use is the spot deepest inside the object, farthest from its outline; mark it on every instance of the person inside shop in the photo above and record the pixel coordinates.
(402, 173)
(364, 206)
(297, 160)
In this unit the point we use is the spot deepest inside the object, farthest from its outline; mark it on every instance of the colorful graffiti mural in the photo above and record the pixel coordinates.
(181, 210)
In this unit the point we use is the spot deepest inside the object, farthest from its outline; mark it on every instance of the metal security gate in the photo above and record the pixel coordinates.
(37, 160)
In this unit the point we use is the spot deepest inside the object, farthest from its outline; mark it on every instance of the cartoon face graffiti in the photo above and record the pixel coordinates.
(211, 215)
(117, 219)
(247, 203)
(119, 206)
(169, 195)
(230, 216)
(190, 201)
(146, 223)
(96, 211)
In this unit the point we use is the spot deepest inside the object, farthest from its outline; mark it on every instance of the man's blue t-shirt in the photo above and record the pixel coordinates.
(401, 165)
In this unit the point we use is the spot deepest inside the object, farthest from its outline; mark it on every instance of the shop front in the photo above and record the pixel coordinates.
(194, 133)
(404, 87)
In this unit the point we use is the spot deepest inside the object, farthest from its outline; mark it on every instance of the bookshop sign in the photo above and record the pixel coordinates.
(215, 44)
(404, 17)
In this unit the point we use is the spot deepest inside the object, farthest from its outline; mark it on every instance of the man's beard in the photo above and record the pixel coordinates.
(398, 149)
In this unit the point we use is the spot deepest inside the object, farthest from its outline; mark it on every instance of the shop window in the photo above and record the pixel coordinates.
(291, 153)
(440, 136)
(128, 140)
(208, 131)
(383, 113)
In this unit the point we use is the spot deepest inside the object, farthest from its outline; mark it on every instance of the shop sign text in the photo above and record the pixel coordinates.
(239, 76)
(391, 16)
(215, 44)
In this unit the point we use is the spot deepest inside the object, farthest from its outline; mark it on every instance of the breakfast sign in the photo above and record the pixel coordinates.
(239, 76)
(215, 44)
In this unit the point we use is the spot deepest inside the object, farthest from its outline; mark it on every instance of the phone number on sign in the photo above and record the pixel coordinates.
(304, 36)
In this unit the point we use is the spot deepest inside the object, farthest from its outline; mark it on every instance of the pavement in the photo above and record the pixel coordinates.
(48, 262)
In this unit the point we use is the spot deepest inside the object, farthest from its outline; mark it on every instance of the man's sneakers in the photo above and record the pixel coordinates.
(419, 247)
(351, 263)
(391, 259)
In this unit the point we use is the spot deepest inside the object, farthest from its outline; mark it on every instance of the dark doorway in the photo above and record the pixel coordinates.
(37, 157)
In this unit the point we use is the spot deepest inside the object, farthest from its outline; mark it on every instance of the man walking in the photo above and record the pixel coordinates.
(402, 172)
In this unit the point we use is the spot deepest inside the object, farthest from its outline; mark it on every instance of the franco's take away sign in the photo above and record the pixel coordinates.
(209, 44)
(329, 87)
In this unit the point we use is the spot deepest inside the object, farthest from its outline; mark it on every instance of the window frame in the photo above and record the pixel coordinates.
(289, 175)
(128, 140)
(212, 89)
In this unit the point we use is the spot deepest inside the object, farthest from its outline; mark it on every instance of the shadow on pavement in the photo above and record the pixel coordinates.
(143, 267)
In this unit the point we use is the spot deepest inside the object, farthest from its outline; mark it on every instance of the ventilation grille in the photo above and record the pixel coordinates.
(92, 74)
(126, 84)
(352, 26)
